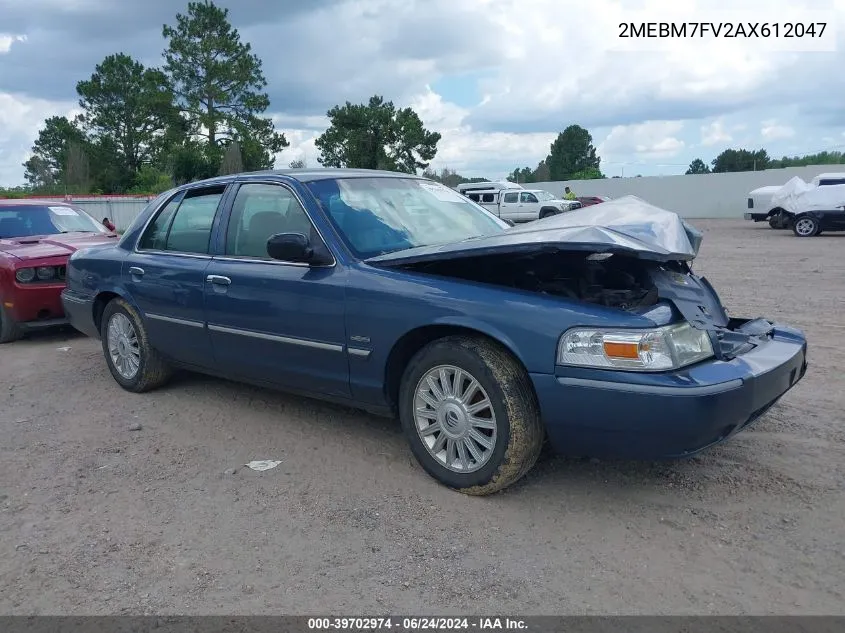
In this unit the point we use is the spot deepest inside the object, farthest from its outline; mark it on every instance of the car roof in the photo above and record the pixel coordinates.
(30, 202)
(831, 174)
(308, 174)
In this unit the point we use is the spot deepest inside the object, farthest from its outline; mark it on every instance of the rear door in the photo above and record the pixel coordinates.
(165, 274)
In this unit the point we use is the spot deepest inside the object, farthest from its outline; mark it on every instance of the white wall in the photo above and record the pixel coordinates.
(121, 210)
(693, 196)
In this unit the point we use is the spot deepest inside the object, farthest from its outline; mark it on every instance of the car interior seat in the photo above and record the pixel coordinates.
(262, 226)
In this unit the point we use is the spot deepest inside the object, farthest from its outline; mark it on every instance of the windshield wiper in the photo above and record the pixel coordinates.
(76, 231)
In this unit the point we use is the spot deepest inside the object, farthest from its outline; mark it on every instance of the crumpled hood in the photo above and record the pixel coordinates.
(45, 246)
(626, 225)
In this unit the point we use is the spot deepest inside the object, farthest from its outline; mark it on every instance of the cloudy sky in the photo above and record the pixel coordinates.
(497, 78)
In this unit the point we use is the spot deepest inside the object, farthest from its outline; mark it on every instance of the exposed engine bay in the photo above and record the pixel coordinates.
(612, 281)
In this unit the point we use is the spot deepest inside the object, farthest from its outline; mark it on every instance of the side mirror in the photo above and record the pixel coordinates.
(290, 247)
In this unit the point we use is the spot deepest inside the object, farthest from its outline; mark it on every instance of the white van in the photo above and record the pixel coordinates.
(765, 210)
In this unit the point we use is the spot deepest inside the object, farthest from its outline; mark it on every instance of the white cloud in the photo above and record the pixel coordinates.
(714, 133)
(772, 131)
(471, 153)
(6, 41)
(20, 120)
(534, 88)
(544, 67)
(650, 140)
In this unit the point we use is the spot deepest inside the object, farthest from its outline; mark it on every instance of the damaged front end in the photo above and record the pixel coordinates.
(628, 255)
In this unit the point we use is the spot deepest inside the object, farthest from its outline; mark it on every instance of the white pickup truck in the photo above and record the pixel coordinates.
(761, 199)
(513, 202)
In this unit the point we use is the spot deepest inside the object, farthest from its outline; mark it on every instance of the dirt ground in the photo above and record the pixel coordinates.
(97, 518)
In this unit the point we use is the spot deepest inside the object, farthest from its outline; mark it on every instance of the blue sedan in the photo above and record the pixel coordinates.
(397, 295)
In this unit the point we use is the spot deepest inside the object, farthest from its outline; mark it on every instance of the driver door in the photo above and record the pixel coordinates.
(273, 321)
(529, 206)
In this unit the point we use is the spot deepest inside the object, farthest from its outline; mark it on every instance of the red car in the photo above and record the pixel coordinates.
(36, 239)
(588, 201)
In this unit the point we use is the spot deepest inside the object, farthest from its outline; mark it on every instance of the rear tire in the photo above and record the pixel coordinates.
(805, 226)
(9, 329)
(484, 431)
(133, 362)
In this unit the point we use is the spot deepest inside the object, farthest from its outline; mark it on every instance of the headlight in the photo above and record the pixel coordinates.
(659, 349)
(45, 272)
(25, 275)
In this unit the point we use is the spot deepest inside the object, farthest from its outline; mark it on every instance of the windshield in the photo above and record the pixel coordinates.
(382, 215)
(26, 220)
(545, 195)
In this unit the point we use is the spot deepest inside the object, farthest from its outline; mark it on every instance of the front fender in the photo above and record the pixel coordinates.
(484, 328)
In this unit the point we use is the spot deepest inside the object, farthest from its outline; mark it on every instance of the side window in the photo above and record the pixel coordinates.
(155, 237)
(529, 197)
(190, 231)
(259, 212)
(832, 181)
(511, 198)
(474, 197)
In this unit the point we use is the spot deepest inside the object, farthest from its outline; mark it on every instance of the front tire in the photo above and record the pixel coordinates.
(132, 361)
(9, 329)
(470, 414)
(805, 226)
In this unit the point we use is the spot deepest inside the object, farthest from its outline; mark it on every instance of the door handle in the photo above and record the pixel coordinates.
(219, 280)
(134, 270)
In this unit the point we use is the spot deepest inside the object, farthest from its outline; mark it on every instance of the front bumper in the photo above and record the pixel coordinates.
(37, 305)
(80, 312)
(756, 217)
(627, 415)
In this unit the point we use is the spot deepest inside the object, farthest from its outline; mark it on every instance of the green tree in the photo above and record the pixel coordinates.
(78, 170)
(524, 175)
(219, 87)
(572, 152)
(297, 164)
(698, 166)
(542, 174)
(591, 173)
(233, 160)
(449, 177)
(376, 136)
(821, 158)
(150, 180)
(129, 106)
(46, 169)
(740, 160)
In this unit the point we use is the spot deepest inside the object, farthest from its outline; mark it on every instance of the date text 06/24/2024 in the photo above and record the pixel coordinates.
(412, 623)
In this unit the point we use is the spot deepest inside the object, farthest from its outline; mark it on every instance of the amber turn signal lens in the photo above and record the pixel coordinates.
(616, 349)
